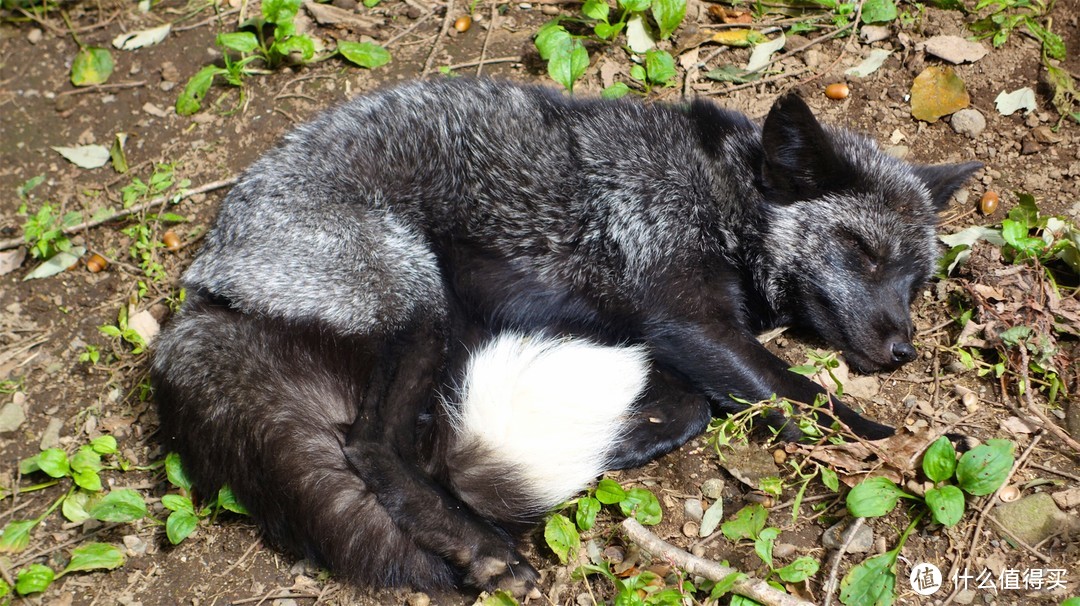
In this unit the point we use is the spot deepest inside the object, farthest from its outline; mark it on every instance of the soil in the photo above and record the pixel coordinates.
(46, 324)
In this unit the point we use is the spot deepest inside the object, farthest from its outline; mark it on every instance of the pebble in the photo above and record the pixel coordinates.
(874, 33)
(135, 545)
(418, 599)
(50, 438)
(1029, 146)
(698, 550)
(34, 35)
(713, 488)
(862, 542)
(549, 9)
(693, 509)
(13, 414)
(968, 122)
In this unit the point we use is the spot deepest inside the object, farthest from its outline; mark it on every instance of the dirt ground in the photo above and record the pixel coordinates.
(46, 324)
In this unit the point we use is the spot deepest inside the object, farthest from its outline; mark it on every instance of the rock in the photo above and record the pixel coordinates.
(34, 35)
(145, 325)
(968, 122)
(784, 551)
(50, 438)
(862, 387)
(966, 596)
(418, 599)
(955, 49)
(874, 33)
(13, 414)
(1043, 134)
(713, 488)
(862, 542)
(154, 110)
(1034, 518)
(135, 545)
(169, 72)
(1028, 146)
(693, 509)
(550, 9)
(1067, 499)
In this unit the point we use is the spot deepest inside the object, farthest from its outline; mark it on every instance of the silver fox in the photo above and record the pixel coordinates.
(439, 310)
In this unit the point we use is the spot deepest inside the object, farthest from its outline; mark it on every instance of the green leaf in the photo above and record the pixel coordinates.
(615, 91)
(499, 597)
(241, 42)
(561, 537)
(643, 505)
(609, 492)
(16, 535)
(1026, 212)
(713, 515)
(116, 153)
(879, 11)
(807, 370)
(747, 524)
(872, 583)
(174, 471)
(94, 556)
(596, 9)
(190, 100)
(736, 75)
(829, 479)
(568, 64)
(104, 445)
(86, 459)
(587, 508)
(668, 14)
(946, 504)
(109, 330)
(227, 501)
(74, 507)
(35, 578)
(763, 544)
(180, 525)
(724, 585)
(1015, 335)
(607, 31)
(873, 497)
(801, 569)
(637, 72)
(635, 6)
(176, 502)
(984, 468)
(122, 505)
(550, 37)
(939, 462)
(5, 590)
(54, 462)
(364, 54)
(659, 66)
(280, 11)
(303, 45)
(92, 65)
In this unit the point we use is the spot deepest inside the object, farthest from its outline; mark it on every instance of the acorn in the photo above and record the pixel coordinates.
(837, 90)
(172, 241)
(989, 203)
(779, 456)
(463, 23)
(96, 263)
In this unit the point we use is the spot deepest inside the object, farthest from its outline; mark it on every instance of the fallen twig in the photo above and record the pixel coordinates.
(101, 87)
(1033, 408)
(447, 19)
(755, 589)
(834, 569)
(13, 242)
(512, 59)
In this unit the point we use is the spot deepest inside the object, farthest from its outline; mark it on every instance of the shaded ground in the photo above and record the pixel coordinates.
(46, 324)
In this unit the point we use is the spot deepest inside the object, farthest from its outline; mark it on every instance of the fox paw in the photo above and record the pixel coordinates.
(513, 575)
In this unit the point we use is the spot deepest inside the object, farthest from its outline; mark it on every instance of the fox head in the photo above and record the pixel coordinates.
(850, 233)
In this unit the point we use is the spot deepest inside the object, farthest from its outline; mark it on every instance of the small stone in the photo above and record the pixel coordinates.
(614, 554)
(693, 509)
(968, 122)
(698, 550)
(144, 324)
(135, 545)
(1029, 146)
(413, 13)
(874, 33)
(13, 414)
(783, 550)
(713, 488)
(1034, 518)
(1043, 134)
(690, 529)
(34, 35)
(50, 438)
(154, 110)
(418, 599)
(284, 602)
(965, 596)
(862, 542)
(955, 49)
(169, 72)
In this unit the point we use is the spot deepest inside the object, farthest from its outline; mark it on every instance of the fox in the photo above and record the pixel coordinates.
(438, 310)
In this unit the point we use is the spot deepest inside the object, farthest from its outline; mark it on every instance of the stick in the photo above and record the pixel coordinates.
(13, 242)
(447, 18)
(755, 589)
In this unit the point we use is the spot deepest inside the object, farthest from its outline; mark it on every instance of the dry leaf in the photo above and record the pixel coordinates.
(937, 92)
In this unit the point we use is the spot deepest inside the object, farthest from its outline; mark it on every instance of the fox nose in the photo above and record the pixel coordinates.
(903, 352)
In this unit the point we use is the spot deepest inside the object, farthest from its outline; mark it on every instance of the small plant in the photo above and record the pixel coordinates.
(749, 524)
(85, 499)
(567, 57)
(90, 355)
(563, 536)
(183, 516)
(122, 331)
(818, 362)
(981, 471)
(271, 39)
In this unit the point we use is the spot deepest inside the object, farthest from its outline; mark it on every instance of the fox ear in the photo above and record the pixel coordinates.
(799, 161)
(944, 179)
